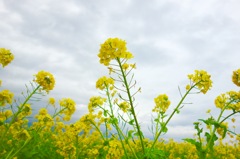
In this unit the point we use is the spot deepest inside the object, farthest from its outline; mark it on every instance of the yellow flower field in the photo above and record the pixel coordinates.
(110, 129)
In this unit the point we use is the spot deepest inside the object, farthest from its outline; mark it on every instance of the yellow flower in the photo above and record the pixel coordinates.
(220, 130)
(51, 101)
(124, 106)
(208, 111)
(46, 80)
(24, 135)
(95, 102)
(69, 104)
(202, 79)
(188, 87)
(229, 100)
(113, 48)
(6, 97)
(162, 103)
(104, 82)
(221, 101)
(43, 111)
(236, 77)
(125, 66)
(8, 113)
(5, 57)
(27, 110)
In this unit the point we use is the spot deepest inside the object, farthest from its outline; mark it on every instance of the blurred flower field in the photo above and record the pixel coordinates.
(110, 129)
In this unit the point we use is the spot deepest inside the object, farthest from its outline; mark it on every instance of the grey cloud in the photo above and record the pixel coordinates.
(168, 39)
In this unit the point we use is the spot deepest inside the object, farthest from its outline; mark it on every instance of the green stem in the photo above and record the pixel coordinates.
(209, 143)
(16, 152)
(131, 104)
(20, 109)
(170, 117)
(218, 121)
(97, 129)
(115, 124)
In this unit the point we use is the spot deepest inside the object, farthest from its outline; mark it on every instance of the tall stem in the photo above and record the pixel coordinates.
(131, 103)
(170, 117)
(120, 134)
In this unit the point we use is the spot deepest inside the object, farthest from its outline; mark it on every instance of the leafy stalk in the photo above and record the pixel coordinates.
(131, 104)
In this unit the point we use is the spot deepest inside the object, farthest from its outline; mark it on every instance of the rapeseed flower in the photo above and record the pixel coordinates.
(95, 102)
(27, 110)
(105, 82)
(202, 79)
(8, 113)
(124, 106)
(51, 101)
(45, 80)
(5, 57)
(6, 97)
(229, 100)
(236, 77)
(23, 134)
(115, 150)
(113, 48)
(70, 106)
(162, 103)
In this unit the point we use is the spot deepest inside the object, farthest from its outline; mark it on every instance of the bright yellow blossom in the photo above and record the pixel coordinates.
(69, 104)
(125, 66)
(220, 130)
(202, 79)
(95, 102)
(113, 48)
(104, 82)
(124, 106)
(5, 57)
(8, 113)
(229, 100)
(162, 103)
(23, 134)
(46, 80)
(6, 97)
(236, 77)
(51, 101)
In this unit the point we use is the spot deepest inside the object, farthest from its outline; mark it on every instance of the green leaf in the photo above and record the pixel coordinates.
(105, 113)
(156, 120)
(131, 122)
(164, 128)
(113, 120)
(130, 132)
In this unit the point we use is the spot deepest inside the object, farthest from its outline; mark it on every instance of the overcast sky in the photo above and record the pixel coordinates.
(169, 39)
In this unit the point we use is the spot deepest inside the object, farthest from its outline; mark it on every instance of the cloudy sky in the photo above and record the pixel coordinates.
(169, 39)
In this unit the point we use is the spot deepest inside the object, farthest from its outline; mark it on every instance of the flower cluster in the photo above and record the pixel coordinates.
(44, 119)
(115, 150)
(105, 82)
(4, 115)
(95, 102)
(45, 80)
(236, 77)
(229, 100)
(6, 97)
(162, 103)
(51, 101)
(69, 107)
(113, 48)
(124, 106)
(5, 57)
(202, 80)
